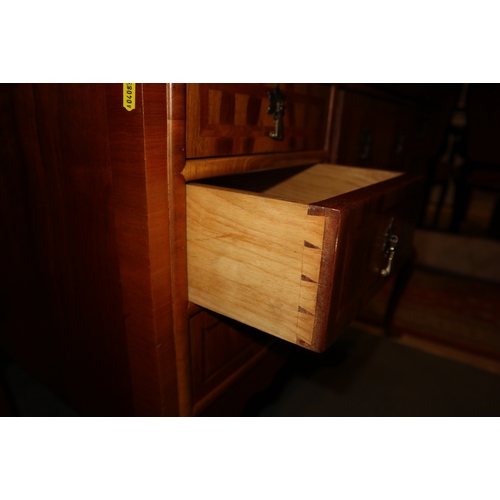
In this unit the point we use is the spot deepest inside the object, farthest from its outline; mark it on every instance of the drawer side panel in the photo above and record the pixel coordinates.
(254, 259)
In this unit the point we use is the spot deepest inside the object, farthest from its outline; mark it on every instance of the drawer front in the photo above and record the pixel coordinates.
(375, 133)
(296, 269)
(222, 351)
(232, 119)
(362, 262)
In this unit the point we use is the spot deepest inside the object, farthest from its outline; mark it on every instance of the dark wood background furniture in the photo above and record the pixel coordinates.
(479, 148)
(94, 285)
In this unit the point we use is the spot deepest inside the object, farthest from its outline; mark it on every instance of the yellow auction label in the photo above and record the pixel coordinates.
(129, 96)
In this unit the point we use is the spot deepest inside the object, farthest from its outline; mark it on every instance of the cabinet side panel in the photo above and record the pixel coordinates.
(69, 217)
(156, 131)
(176, 149)
(31, 328)
(140, 195)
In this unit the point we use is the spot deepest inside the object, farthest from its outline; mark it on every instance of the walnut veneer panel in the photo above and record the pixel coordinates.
(232, 119)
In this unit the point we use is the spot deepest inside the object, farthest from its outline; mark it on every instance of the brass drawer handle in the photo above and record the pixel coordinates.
(393, 241)
(277, 109)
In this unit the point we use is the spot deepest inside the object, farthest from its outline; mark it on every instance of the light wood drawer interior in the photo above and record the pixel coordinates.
(295, 252)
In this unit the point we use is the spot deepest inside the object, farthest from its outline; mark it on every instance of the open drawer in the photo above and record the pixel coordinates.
(296, 252)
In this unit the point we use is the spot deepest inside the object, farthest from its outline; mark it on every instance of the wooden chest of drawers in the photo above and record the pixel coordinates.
(112, 217)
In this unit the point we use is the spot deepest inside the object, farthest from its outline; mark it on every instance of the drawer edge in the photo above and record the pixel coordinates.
(214, 167)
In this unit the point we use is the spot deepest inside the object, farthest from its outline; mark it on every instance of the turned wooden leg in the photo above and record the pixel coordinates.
(400, 284)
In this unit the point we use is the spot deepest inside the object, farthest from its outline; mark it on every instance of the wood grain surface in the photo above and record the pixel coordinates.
(104, 244)
(213, 167)
(232, 119)
(324, 180)
(287, 265)
(221, 351)
(61, 265)
(243, 247)
(374, 132)
(196, 346)
(86, 261)
(176, 147)
(351, 275)
(140, 198)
